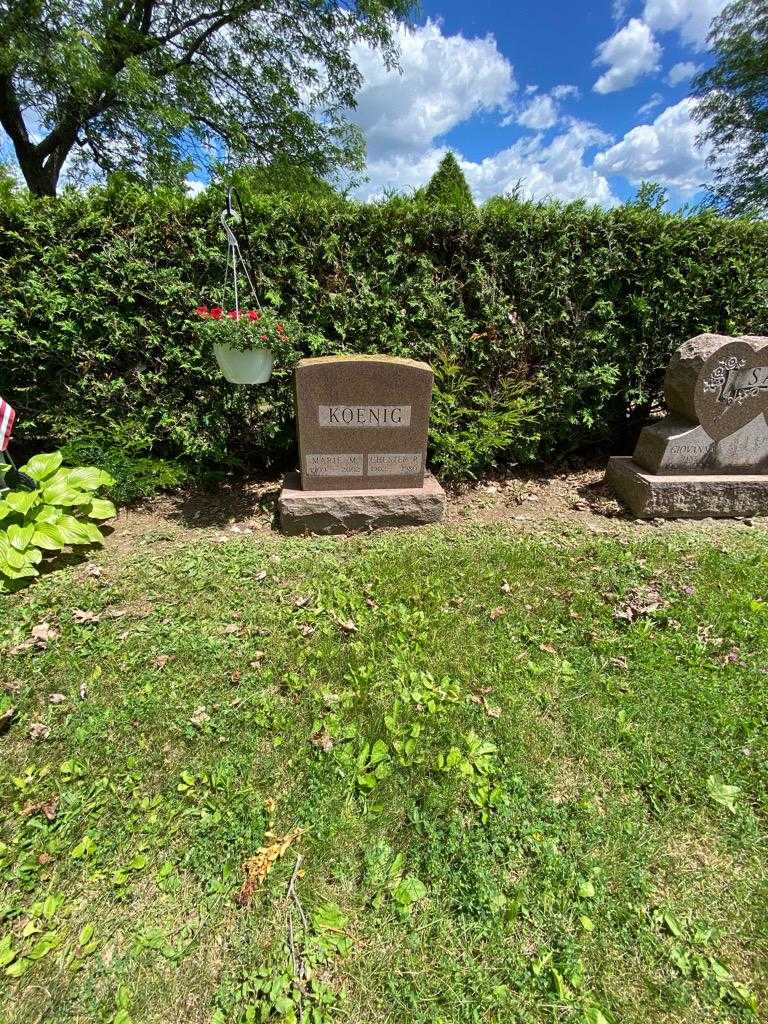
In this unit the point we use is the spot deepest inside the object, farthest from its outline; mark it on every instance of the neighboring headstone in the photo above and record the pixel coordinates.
(709, 456)
(362, 427)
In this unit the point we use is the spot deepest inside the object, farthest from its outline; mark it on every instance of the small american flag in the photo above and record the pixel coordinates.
(7, 416)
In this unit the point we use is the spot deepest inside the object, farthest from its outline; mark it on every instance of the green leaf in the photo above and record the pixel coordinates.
(65, 496)
(18, 968)
(85, 478)
(586, 890)
(7, 953)
(26, 572)
(44, 945)
(673, 924)
(593, 1016)
(21, 501)
(47, 514)
(723, 794)
(51, 905)
(379, 752)
(86, 934)
(20, 537)
(40, 467)
(48, 537)
(100, 508)
(409, 891)
(75, 532)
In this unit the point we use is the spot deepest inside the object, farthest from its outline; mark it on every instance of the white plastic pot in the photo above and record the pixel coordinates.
(251, 367)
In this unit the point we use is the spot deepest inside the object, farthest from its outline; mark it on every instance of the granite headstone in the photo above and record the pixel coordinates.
(362, 428)
(715, 437)
(362, 422)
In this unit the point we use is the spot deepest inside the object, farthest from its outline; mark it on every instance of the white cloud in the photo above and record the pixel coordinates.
(619, 9)
(556, 170)
(682, 72)
(194, 188)
(444, 80)
(692, 18)
(542, 111)
(629, 53)
(564, 92)
(539, 114)
(654, 101)
(664, 151)
(447, 80)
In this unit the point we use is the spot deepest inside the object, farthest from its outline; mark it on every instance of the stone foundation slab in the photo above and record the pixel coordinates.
(656, 496)
(352, 511)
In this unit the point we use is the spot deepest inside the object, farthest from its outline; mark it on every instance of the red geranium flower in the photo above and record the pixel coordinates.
(233, 314)
(202, 311)
(264, 337)
(252, 314)
(216, 312)
(280, 329)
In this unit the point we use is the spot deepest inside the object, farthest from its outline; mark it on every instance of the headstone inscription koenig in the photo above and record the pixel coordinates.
(362, 427)
(709, 455)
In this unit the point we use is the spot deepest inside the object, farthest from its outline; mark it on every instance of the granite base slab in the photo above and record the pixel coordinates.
(658, 496)
(352, 511)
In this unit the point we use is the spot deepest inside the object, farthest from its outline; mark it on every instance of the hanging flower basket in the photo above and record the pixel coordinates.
(244, 341)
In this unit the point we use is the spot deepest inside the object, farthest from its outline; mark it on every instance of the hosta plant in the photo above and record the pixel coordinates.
(62, 512)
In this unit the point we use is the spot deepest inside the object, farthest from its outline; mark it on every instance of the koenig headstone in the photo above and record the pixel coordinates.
(709, 456)
(362, 421)
(362, 429)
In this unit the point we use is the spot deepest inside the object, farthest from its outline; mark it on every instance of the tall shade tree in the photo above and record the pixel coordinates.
(733, 107)
(154, 86)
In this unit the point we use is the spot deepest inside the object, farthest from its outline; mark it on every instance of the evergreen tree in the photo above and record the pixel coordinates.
(449, 186)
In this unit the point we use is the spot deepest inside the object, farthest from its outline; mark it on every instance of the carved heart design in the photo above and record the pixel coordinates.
(732, 387)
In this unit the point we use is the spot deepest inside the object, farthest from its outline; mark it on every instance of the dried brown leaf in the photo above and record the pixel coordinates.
(56, 698)
(497, 613)
(323, 740)
(200, 717)
(257, 868)
(49, 808)
(43, 633)
(84, 618)
(39, 731)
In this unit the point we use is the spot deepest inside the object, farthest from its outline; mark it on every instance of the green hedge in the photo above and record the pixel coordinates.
(549, 326)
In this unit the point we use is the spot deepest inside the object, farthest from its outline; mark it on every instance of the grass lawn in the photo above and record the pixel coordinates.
(523, 778)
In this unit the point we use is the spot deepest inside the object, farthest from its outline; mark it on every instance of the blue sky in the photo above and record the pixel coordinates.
(573, 99)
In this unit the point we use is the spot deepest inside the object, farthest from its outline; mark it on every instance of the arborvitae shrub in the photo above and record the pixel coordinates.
(550, 326)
